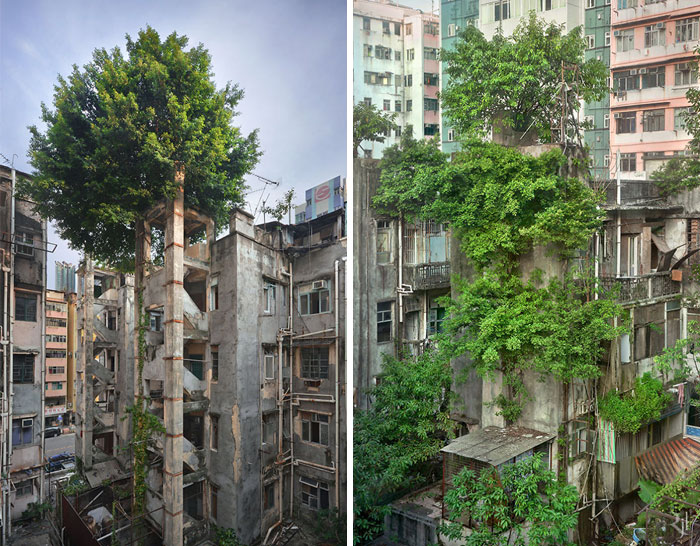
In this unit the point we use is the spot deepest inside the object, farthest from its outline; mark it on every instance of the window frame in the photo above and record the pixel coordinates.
(29, 300)
(23, 365)
(385, 321)
(315, 427)
(315, 363)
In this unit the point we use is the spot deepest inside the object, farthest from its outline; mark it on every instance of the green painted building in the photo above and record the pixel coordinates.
(598, 35)
(455, 15)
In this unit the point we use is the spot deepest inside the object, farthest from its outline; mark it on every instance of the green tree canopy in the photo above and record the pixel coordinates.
(405, 427)
(517, 79)
(369, 124)
(523, 503)
(115, 132)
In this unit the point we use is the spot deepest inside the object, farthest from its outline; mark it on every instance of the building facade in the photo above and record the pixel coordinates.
(56, 382)
(65, 277)
(396, 67)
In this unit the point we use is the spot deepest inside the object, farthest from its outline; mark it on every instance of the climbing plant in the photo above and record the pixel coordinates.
(629, 411)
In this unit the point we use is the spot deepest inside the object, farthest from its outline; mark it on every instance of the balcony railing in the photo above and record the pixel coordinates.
(432, 275)
(633, 192)
(644, 287)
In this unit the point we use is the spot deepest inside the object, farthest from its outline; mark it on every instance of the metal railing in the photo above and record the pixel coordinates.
(432, 275)
(644, 287)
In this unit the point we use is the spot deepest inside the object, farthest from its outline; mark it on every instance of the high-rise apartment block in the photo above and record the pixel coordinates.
(396, 67)
(56, 379)
(65, 277)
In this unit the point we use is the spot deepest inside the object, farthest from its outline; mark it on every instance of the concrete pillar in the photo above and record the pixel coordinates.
(173, 388)
(86, 358)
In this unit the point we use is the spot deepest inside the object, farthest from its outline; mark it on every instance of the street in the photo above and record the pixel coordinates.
(60, 444)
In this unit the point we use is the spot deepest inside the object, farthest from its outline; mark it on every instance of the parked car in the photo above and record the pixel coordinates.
(50, 432)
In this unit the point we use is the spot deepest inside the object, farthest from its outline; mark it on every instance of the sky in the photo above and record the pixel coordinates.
(289, 56)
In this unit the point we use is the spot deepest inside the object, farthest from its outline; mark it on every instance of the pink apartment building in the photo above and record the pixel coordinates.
(55, 410)
(652, 52)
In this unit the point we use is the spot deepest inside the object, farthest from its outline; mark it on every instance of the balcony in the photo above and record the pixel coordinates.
(644, 287)
(633, 194)
(433, 275)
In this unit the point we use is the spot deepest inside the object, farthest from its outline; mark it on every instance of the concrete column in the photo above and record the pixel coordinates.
(86, 357)
(173, 388)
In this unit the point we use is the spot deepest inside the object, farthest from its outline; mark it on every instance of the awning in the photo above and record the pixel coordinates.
(664, 462)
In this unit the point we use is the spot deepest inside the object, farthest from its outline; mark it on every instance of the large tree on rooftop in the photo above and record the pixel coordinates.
(117, 129)
(517, 79)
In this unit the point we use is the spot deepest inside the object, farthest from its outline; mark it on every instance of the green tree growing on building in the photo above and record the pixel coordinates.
(116, 130)
(369, 124)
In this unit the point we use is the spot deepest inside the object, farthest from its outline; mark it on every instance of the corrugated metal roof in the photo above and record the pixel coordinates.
(664, 462)
(496, 445)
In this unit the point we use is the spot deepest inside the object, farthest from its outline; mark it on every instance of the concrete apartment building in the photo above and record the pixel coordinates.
(653, 66)
(56, 379)
(65, 277)
(258, 407)
(395, 67)
(23, 279)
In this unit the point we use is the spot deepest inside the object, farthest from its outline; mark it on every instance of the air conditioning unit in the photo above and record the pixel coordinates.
(27, 423)
(616, 33)
(683, 66)
(617, 115)
(642, 70)
(319, 285)
(597, 139)
(660, 25)
(633, 72)
(600, 16)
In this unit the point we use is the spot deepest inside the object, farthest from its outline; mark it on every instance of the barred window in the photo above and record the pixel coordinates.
(314, 362)
(25, 308)
(55, 353)
(23, 368)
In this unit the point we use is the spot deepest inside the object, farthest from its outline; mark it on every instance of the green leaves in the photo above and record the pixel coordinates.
(518, 504)
(368, 123)
(628, 412)
(515, 82)
(117, 128)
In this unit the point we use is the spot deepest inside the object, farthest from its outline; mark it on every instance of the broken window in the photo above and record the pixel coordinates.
(214, 294)
(24, 243)
(215, 363)
(314, 494)
(24, 489)
(314, 362)
(314, 427)
(269, 496)
(383, 241)
(156, 321)
(436, 316)
(649, 331)
(270, 428)
(384, 321)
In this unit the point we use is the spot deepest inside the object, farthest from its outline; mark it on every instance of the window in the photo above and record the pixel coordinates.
(214, 294)
(57, 369)
(53, 338)
(269, 364)
(430, 79)
(590, 41)
(626, 122)
(314, 362)
(431, 129)
(55, 386)
(409, 105)
(214, 432)
(383, 241)
(24, 243)
(365, 23)
(655, 35)
(408, 80)
(409, 29)
(386, 27)
(628, 162)
(24, 489)
(626, 80)
(58, 307)
(430, 28)
(58, 323)
(607, 39)
(686, 74)
(25, 308)
(451, 30)
(55, 353)
(501, 10)
(624, 4)
(383, 321)
(546, 5)
(450, 135)
(22, 431)
(679, 118)
(269, 497)
(397, 29)
(314, 494)
(215, 363)
(314, 298)
(387, 105)
(269, 297)
(430, 105)
(410, 54)
(156, 321)
(23, 368)
(653, 120)
(366, 50)
(314, 427)
(397, 55)
(381, 52)
(606, 161)
(430, 53)
(654, 77)
(582, 439)
(687, 30)
(397, 131)
(367, 101)
(214, 501)
(606, 121)
(625, 40)
(436, 316)
(269, 428)
(397, 106)
(590, 4)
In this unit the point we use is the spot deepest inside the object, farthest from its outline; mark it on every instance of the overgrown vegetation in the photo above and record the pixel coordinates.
(396, 439)
(330, 526)
(516, 80)
(117, 128)
(629, 411)
(369, 124)
(36, 510)
(226, 537)
(522, 503)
